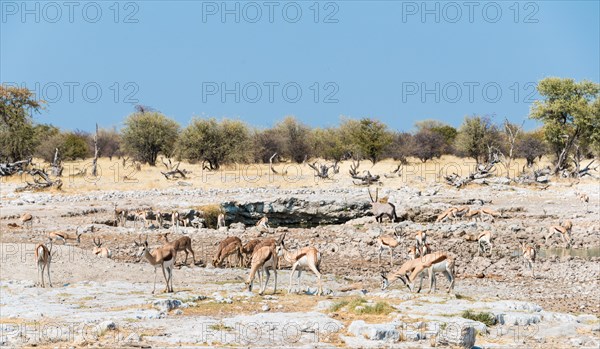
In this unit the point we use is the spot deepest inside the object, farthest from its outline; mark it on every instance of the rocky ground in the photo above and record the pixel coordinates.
(102, 302)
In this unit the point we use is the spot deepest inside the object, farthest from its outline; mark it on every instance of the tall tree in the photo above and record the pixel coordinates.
(476, 136)
(17, 136)
(296, 139)
(146, 134)
(570, 112)
(368, 137)
(215, 142)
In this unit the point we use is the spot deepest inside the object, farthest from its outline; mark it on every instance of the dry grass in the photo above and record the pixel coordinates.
(113, 176)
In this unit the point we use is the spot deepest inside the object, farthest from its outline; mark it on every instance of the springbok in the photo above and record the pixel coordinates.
(263, 259)
(381, 209)
(389, 242)
(101, 251)
(184, 244)
(485, 242)
(414, 253)
(420, 240)
(446, 214)
(564, 230)
(120, 216)
(221, 221)
(140, 215)
(232, 245)
(489, 213)
(473, 214)
(163, 256)
(305, 258)
(43, 257)
(529, 255)
(263, 224)
(59, 235)
(248, 249)
(158, 219)
(27, 220)
(439, 262)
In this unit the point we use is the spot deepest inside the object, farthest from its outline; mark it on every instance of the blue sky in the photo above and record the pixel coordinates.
(392, 60)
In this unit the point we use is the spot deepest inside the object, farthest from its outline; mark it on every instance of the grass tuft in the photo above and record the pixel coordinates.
(484, 317)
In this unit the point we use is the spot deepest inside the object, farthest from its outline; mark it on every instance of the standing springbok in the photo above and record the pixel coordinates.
(485, 242)
(101, 251)
(232, 245)
(158, 219)
(59, 235)
(43, 257)
(163, 256)
(529, 255)
(420, 240)
(184, 244)
(263, 259)
(413, 252)
(305, 258)
(140, 215)
(438, 262)
(221, 221)
(120, 216)
(381, 209)
(389, 242)
(564, 230)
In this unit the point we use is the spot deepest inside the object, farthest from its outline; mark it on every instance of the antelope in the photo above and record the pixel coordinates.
(420, 240)
(413, 252)
(488, 212)
(59, 235)
(564, 230)
(230, 246)
(263, 224)
(248, 249)
(447, 214)
(529, 255)
(460, 212)
(221, 221)
(158, 218)
(583, 197)
(301, 259)
(175, 220)
(485, 242)
(184, 244)
(140, 215)
(101, 251)
(389, 242)
(380, 209)
(440, 262)
(263, 259)
(163, 256)
(473, 214)
(27, 220)
(43, 257)
(120, 216)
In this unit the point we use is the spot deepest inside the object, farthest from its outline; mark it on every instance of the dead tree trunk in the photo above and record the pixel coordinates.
(95, 162)
(56, 167)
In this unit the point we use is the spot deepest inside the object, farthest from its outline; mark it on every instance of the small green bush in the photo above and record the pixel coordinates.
(486, 318)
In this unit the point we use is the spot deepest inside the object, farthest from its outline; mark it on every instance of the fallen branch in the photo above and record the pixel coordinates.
(41, 183)
(8, 169)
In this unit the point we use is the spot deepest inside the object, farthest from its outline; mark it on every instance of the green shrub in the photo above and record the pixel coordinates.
(484, 317)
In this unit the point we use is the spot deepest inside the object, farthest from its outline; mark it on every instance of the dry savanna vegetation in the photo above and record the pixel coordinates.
(219, 234)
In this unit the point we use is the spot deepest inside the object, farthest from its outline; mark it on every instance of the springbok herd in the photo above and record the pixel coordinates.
(264, 255)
